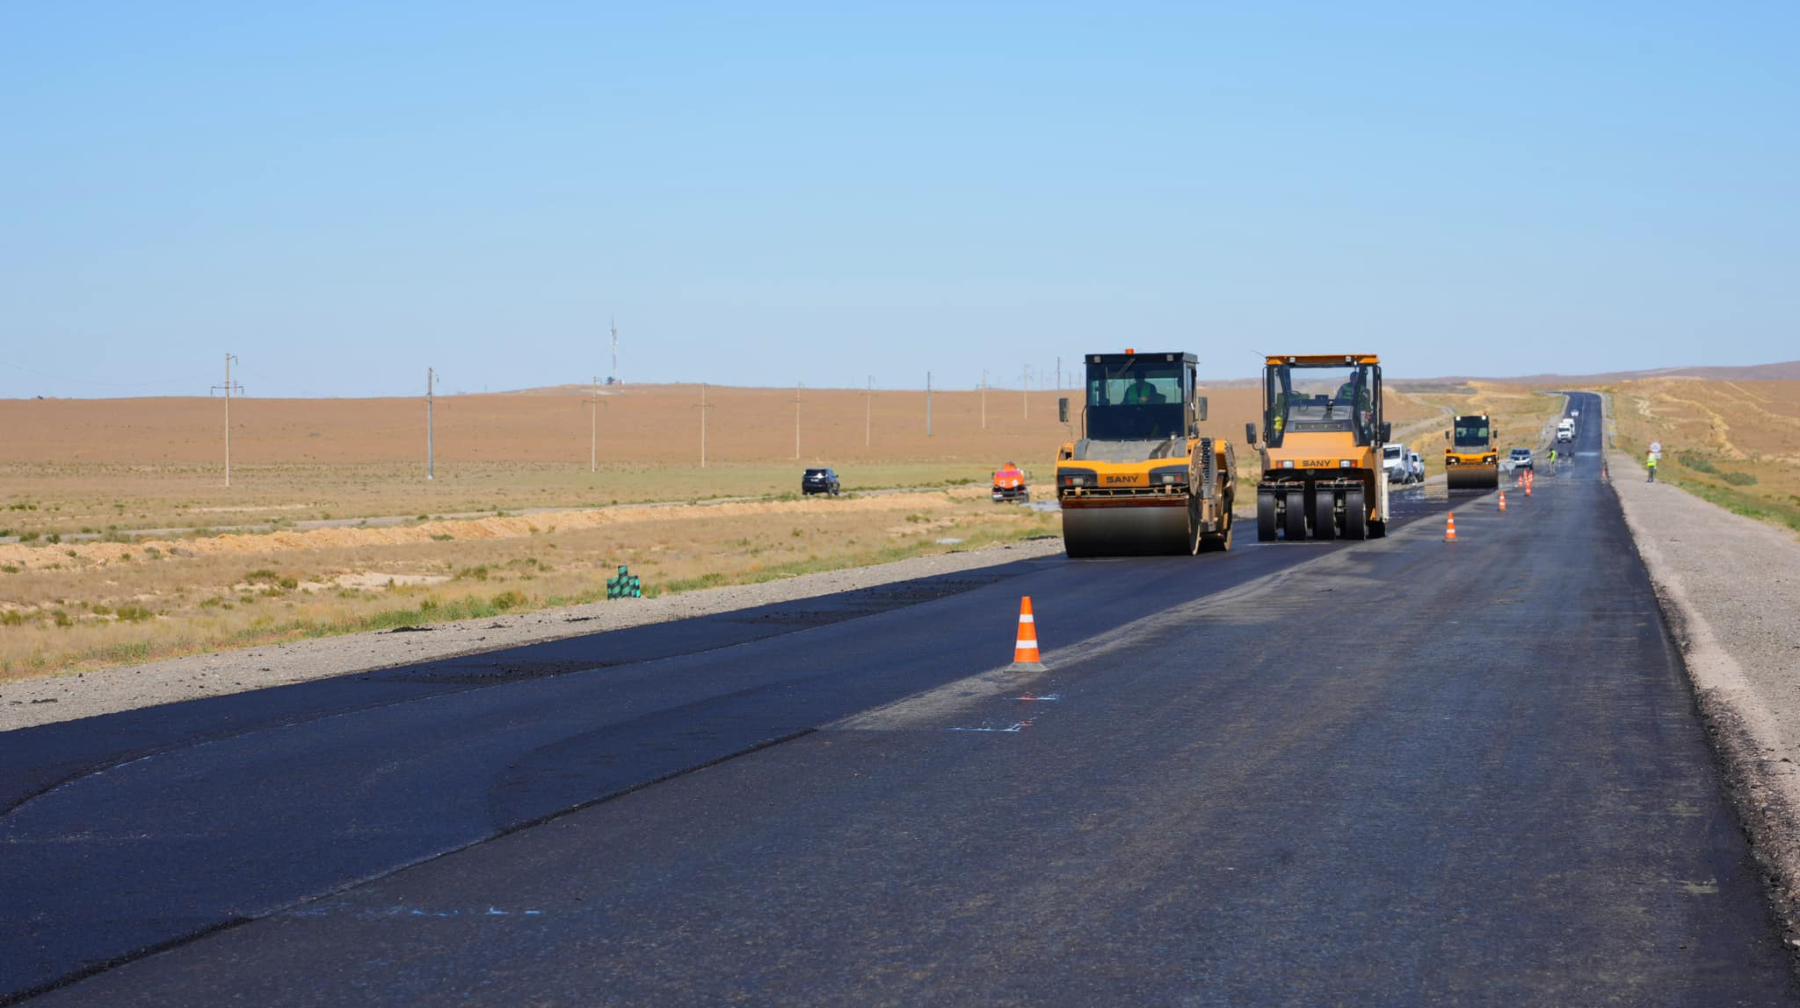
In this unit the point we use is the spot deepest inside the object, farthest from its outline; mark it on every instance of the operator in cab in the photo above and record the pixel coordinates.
(1140, 392)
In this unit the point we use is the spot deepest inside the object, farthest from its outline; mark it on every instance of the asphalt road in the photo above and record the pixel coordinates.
(1399, 772)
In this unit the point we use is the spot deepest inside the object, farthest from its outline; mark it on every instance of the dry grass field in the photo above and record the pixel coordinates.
(1735, 443)
(125, 518)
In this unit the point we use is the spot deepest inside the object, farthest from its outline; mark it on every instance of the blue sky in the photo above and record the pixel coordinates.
(343, 194)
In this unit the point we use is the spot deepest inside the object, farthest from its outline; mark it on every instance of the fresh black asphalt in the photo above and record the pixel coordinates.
(1398, 772)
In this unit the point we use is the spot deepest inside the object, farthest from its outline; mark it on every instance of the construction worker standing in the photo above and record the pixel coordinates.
(1650, 464)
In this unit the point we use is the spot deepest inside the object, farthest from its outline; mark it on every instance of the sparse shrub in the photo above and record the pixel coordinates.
(12, 618)
(61, 619)
(441, 537)
(215, 602)
(508, 600)
(1739, 478)
(53, 538)
(133, 614)
(473, 573)
(1698, 463)
(152, 553)
(9, 568)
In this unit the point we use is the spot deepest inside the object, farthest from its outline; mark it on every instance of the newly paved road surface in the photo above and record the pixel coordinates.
(1400, 772)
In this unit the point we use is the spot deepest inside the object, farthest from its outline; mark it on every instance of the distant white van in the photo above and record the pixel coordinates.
(1565, 429)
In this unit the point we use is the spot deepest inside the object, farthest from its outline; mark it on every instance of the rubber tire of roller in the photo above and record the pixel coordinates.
(1265, 516)
(1324, 518)
(1356, 515)
(1296, 515)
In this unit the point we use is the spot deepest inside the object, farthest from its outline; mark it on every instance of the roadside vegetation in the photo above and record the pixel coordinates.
(1735, 444)
(101, 604)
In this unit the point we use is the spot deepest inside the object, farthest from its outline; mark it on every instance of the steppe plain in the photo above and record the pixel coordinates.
(120, 542)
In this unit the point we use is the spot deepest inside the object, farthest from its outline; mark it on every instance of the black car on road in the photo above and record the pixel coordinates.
(817, 481)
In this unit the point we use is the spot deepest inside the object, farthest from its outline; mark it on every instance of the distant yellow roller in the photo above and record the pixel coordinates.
(1472, 461)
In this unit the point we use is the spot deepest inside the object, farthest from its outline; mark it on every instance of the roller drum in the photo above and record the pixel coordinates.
(1134, 530)
(1472, 477)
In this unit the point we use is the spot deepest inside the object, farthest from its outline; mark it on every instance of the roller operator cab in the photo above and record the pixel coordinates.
(1322, 449)
(1141, 479)
(1472, 459)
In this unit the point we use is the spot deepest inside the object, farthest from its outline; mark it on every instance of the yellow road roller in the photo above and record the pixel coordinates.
(1141, 480)
(1322, 476)
(1472, 461)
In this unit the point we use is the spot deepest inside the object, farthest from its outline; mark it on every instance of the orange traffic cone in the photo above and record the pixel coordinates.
(1450, 527)
(1025, 651)
(1528, 488)
(1503, 500)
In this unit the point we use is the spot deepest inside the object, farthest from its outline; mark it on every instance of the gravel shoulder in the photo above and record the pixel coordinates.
(28, 702)
(1730, 589)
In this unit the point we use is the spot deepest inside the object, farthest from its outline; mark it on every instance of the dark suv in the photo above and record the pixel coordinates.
(819, 481)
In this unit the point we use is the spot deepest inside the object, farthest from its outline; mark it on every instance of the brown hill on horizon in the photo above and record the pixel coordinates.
(1778, 371)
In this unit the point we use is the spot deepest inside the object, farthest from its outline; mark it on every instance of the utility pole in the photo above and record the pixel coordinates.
(928, 404)
(228, 389)
(615, 350)
(703, 409)
(594, 428)
(1059, 373)
(984, 398)
(797, 387)
(868, 411)
(430, 386)
(1025, 390)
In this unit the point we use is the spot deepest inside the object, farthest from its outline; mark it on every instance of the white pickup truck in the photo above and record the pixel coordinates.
(1565, 429)
(1400, 465)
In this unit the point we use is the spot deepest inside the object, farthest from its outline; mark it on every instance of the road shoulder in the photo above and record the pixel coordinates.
(1729, 587)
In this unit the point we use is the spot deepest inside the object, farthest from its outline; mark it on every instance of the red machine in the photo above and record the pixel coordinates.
(1009, 484)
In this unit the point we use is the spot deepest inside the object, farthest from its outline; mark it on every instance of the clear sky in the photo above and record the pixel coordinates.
(763, 193)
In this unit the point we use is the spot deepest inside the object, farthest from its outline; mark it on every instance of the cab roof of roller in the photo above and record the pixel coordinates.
(1321, 360)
